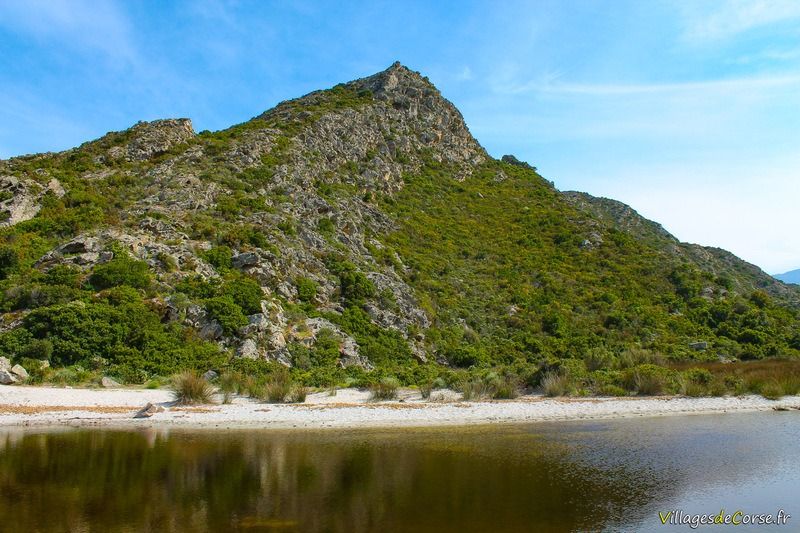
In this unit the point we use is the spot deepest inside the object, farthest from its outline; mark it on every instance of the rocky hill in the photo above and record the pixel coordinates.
(350, 233)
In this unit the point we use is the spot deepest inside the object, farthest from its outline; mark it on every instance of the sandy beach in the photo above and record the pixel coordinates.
(349, 408)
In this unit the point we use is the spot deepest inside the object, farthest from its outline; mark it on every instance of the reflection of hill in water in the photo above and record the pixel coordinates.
(549, 477)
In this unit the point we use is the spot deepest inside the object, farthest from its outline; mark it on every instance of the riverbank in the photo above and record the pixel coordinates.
(349, 408)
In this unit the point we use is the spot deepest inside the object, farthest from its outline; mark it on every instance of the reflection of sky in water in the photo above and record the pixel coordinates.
(699, 464)
(569, 476)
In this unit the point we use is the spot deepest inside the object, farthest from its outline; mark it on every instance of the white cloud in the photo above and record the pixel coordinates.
(612, 89)
(81, 24)
(465, 74)
(714, 21)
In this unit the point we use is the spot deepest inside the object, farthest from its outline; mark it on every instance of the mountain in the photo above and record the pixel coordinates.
(793, 276)
(352, 233)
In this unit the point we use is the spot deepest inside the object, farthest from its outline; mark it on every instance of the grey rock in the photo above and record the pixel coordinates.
(7, 378)
(148, 410)
(248, 349)
(245, 260)
(700, 346)
(108, 383)
(20, 372)
(151, 139)
(5, 364)
(210, 375)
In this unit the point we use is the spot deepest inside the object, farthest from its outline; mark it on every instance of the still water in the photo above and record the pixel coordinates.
(575, 476)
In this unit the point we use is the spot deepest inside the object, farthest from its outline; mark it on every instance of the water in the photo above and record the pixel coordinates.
(576, 476)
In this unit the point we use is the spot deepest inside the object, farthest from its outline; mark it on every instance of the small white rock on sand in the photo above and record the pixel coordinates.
(349, 408)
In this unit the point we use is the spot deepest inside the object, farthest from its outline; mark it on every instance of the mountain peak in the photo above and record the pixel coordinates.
(398, 79)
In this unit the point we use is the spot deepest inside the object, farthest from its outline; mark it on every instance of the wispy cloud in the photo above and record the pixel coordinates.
(83, 24)
(714, 21)
(612, 89)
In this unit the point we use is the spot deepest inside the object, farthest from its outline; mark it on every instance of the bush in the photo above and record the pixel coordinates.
(298, 394)
(225, 311)
(648, 379)
(505, 388)
(355, 286)
(246, 293)
(220, 257)
(122, 270)
(555, 384)
(306, 289)
(772, 390)
(385, 389)
(190, 388)
(9, 260)
(279, 386)
(472, 388)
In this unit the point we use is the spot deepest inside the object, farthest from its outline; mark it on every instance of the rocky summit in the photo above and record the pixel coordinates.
(353, 233)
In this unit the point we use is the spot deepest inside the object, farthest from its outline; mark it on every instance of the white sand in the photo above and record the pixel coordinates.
(44, 406)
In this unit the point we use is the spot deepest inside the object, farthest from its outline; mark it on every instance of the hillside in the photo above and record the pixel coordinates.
(793, 276)
(350, 234)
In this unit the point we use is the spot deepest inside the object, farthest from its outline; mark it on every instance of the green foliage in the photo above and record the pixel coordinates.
(245, 292)
(9, 260)
(220, 257)
(306, 289)
(115, 332)
(122, 270)
(225, 311)
(385, 389)
(354, 286)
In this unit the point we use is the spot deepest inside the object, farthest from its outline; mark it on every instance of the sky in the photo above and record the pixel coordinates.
(689, 111)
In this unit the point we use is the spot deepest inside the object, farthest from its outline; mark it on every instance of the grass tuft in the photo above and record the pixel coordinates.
(189, 388)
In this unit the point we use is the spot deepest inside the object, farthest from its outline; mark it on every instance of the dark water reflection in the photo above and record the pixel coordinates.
(591, 476)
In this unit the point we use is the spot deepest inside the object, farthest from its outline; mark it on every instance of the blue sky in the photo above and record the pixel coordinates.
(687, 110)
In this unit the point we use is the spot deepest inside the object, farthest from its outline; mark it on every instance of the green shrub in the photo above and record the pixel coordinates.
(279, 385)
(354, 285)
(555, 384)
(122, 270)
(648, 379)
(326, 226)
(306, 289)
(245, 292)
(225, 311)
(9, 260)
(772, 390)
(298, 394)
(472, 388)
(220, 257)
(190, 388)
(385, 389)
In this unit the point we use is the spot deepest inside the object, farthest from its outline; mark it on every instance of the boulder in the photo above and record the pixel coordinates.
(109, 383)
(699, 346)
(148, 410)
(5, 364)
(245, 260)
(20, 372)
(210, 375)
(247, 349)
(7, 378)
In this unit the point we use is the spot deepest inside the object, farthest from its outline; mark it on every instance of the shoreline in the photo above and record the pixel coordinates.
(348, 409)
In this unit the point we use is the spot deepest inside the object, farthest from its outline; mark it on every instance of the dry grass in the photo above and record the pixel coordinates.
(189, 388)
(772, 378)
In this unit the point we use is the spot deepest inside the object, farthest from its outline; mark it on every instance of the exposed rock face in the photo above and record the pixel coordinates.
(7, 378)
(158, 137)
(20, 200)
